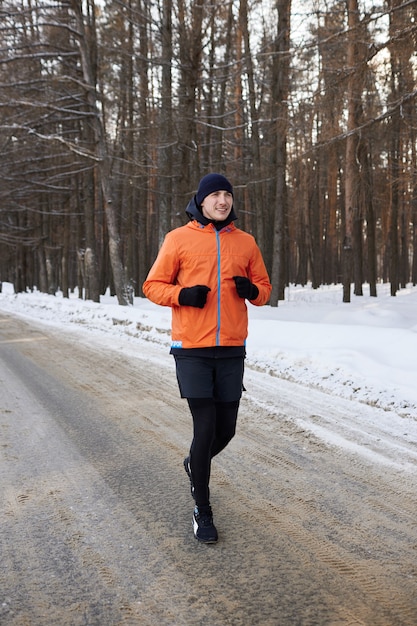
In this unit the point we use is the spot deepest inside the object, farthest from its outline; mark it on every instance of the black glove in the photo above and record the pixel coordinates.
(245, 288)
(194, 296)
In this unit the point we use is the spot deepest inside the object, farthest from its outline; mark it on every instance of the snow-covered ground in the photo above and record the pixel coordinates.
(365, 350)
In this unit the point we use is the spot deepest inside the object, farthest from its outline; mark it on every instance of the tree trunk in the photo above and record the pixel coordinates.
(414, 211)
(190, 50)
(123, 290)
(166, 141)
(351, 178)
(257, 187)
(280, 103)
(368, 191)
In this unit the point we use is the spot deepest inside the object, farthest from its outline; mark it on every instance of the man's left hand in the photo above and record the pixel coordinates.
(245, 288)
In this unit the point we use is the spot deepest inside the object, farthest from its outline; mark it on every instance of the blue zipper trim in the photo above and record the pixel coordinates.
(218, 289)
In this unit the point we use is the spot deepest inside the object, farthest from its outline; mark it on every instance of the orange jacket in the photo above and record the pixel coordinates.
(200, 255)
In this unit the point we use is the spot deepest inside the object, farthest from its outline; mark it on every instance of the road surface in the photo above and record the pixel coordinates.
(96, 508)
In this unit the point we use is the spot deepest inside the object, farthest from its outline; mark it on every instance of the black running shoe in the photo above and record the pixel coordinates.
(204, 529)
(187, 468)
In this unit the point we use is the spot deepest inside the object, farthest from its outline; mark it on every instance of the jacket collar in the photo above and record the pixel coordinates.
(194, 213)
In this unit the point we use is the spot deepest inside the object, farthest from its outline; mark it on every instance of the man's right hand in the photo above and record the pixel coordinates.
(194, 296)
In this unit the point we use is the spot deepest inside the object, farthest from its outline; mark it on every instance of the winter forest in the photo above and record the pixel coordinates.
(112, 110)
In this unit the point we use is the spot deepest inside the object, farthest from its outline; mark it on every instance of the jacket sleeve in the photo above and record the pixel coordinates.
(160, 285)
(258, 275)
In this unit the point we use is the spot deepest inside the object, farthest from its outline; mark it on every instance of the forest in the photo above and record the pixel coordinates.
(112, 110)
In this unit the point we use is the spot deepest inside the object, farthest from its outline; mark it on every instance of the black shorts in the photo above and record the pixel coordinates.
(206, 377)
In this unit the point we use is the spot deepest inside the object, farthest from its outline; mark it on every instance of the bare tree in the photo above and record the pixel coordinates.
(352, 173)
(85, 31)
(166, 170)
(280, 102)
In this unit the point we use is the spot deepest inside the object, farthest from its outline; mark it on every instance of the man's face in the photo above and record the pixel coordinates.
(217, 205)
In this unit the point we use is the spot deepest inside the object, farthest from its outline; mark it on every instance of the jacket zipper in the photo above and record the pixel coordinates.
(218, 289)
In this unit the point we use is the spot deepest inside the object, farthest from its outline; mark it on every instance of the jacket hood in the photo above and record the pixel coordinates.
(194, 213)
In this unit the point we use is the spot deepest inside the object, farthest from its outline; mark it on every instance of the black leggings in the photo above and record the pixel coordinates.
(214, 426)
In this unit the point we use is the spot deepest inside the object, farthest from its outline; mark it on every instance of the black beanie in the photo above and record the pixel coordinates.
(211, 183)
